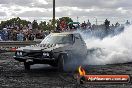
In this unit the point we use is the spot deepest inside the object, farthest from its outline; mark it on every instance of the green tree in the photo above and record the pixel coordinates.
(46, 25)
(43, 25)
(49, 24)
(66, 19)
(13, 21)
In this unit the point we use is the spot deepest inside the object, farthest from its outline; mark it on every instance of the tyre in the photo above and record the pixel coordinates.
(27, 66)
(62, 63)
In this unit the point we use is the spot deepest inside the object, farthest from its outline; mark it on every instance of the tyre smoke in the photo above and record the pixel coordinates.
(112, 49)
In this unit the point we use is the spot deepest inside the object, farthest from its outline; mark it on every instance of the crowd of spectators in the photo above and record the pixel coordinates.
(29, 33)
(21, 33)
(88, 26)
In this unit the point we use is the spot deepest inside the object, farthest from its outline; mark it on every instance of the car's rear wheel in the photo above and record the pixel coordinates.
(27, 66)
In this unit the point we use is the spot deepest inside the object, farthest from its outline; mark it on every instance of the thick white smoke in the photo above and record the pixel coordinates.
(109, 50)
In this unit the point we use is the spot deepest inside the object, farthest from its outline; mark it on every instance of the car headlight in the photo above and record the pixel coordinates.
(19, 53)
(45, 54)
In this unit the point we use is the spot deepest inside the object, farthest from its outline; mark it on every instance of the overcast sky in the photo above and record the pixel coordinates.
(84, 9)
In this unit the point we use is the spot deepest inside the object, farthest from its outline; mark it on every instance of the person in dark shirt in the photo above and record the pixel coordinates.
(127, 23)
(107, 24)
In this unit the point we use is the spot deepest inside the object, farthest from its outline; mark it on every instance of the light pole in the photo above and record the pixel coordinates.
(77, 18)
(96, 20)
(53, 14)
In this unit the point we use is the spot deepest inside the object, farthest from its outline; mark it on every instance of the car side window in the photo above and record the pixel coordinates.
(76, 36)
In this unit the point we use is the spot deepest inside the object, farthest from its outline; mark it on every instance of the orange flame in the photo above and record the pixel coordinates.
(81, 71)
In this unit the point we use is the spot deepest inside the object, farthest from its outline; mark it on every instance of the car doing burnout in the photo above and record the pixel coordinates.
(57, 49)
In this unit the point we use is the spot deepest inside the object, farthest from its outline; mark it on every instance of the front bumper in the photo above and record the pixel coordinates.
(35, 60)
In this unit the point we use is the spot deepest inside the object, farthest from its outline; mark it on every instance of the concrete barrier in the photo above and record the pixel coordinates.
(10, 46)
(17, 43)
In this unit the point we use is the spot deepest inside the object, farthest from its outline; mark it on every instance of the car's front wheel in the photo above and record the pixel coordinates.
(62, 63)
(27, 66)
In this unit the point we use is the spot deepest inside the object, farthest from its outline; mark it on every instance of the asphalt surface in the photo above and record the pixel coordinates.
(13, 75)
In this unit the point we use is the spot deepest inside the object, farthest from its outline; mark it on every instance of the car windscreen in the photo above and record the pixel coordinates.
(58, 39)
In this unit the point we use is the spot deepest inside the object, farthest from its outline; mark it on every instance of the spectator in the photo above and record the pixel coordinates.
(31, 37)
(107, 24)
(84, 25)
(63, 25)
(127, 23)
(20, 37)
(1, 38)
(30, 26)
(34, 26)
(58, 29)
(88, 25)
(117, 24)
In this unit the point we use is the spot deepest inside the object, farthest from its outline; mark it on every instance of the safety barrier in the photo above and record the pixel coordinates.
(11, 46)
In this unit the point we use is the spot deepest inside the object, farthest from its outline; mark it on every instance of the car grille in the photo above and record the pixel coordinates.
(33, 54)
